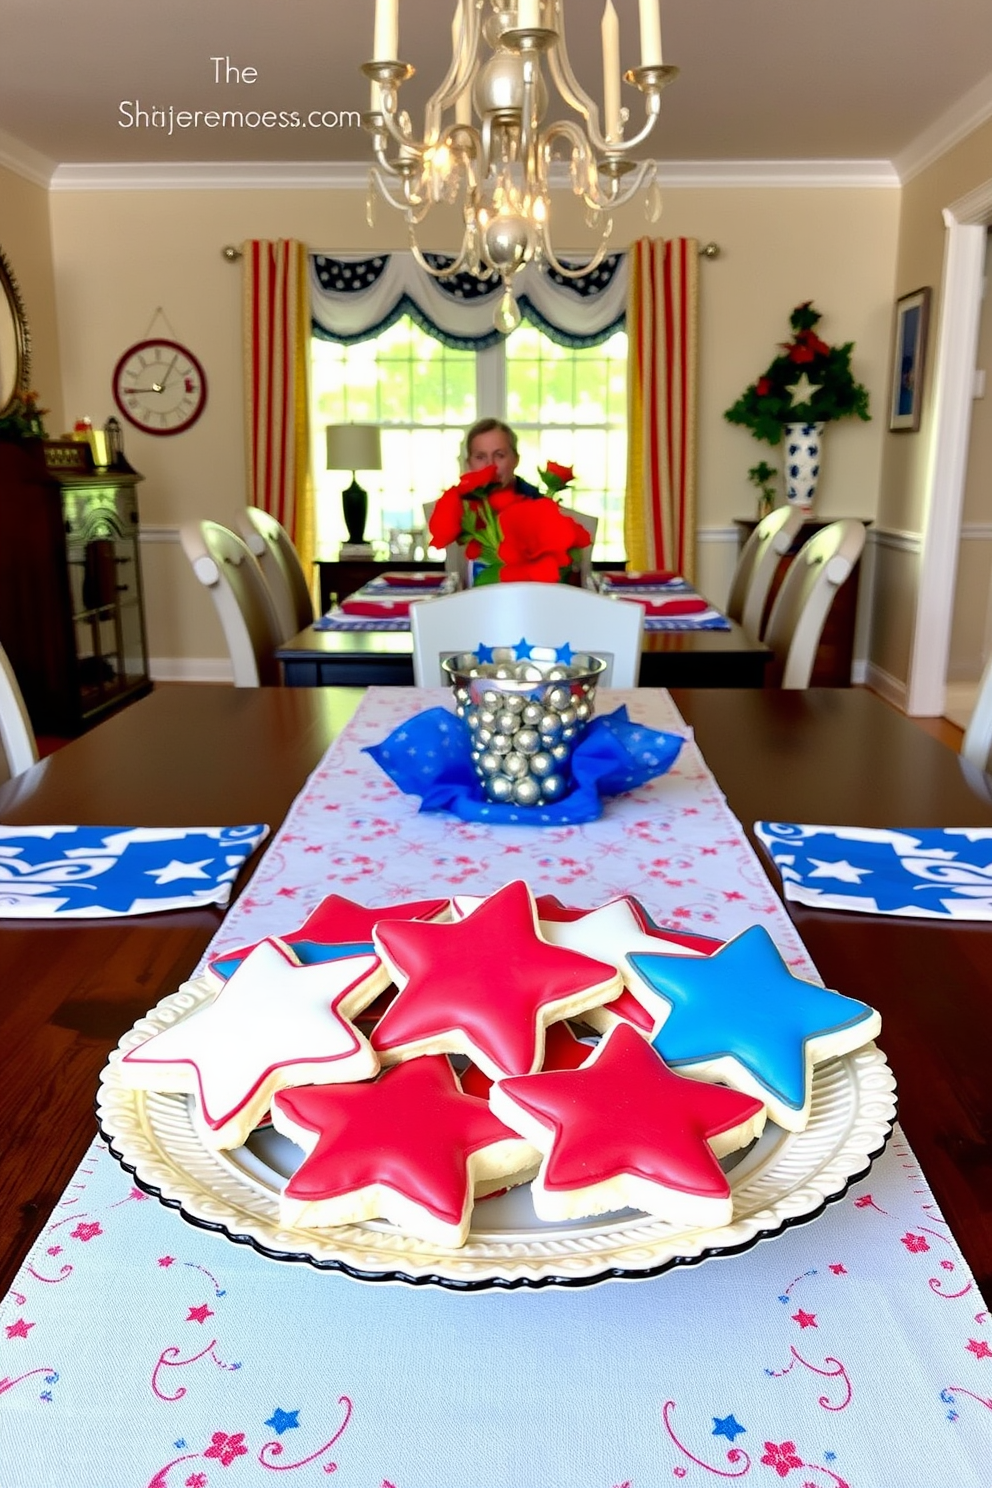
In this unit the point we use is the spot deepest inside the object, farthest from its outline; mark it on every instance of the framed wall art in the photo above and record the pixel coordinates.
(908, 360)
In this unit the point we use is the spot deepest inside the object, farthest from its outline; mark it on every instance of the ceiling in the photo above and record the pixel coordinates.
(762, 80)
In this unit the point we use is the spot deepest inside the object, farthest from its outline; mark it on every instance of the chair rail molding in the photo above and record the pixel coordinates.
(965, 221)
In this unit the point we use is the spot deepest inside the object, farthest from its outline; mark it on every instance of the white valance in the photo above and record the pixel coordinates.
(355, 296)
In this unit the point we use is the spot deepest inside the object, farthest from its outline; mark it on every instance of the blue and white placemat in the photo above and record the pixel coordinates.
(941, 873)
(98, 872)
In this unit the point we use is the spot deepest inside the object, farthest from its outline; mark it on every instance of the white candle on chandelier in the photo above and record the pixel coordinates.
(650, 16)
(463, 103)
(385, 46)
(610, 31)
(528, 14)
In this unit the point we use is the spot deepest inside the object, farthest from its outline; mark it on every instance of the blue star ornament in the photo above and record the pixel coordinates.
(727, 1426)
(741, 1017)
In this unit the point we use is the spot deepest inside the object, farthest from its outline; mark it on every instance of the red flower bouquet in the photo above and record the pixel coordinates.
(513, 536)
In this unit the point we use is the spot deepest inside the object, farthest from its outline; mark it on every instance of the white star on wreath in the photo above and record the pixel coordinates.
(803, 390)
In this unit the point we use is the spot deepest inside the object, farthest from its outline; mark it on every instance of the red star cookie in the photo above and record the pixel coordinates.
(562, 1050)
(486, 986)
(273, 1023)
(625, 1132)
(409, 1147)
(337, 922)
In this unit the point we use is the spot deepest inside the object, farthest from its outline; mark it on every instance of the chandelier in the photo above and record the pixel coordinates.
(485, 143)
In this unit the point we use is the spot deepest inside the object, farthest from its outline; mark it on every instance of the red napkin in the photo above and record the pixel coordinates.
(413, 580)
(655, 576)
(693, 606)
(378, 609)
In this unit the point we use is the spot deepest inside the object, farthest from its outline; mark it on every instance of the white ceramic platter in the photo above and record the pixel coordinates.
(784, 1178)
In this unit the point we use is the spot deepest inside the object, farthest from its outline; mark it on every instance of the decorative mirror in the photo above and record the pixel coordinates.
(15, 341)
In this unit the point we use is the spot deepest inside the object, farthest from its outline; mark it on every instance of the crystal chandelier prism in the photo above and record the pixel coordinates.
(486, 146)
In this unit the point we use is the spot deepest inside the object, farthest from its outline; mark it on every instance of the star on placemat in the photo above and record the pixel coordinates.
(273, 1023)
(741, 1016)
(486, 986)
(802, 390)
(409, 1147)
(337, 927)
(624, 1130)
(728, 1426)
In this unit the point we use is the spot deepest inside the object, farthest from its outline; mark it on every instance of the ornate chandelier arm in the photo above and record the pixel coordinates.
(460, 69)
(452, 269)
(587, 268)
(568, 85)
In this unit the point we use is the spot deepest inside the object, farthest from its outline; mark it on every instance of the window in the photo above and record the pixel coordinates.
(566, 405)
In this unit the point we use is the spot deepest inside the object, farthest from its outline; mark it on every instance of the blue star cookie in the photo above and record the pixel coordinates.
(740, 1016)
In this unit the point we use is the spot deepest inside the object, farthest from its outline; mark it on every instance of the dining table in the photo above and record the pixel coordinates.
(849, 1344)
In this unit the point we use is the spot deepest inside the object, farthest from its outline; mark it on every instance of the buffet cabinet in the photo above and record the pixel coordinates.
(71, 610)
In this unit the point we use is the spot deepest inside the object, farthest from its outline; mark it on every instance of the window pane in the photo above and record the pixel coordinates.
(422, 396)
(566, 405)
(571, 406)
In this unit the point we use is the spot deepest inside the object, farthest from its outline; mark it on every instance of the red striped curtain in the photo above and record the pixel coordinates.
(277, 386)
(663, 351)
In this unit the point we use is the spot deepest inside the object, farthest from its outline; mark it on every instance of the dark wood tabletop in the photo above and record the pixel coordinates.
(215, 755)
(384, 658)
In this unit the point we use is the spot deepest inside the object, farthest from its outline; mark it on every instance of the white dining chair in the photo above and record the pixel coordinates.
(802, 604)
(18, 750)
(543, 614)
(756, 566)
(976, 745)
(281, 568)
(228, 570)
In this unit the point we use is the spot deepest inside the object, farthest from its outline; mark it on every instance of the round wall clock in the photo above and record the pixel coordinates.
(160, 387)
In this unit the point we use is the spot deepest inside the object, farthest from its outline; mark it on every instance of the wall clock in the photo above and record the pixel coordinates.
(160, 387)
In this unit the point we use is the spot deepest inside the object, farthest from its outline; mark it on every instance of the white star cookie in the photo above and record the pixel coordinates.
(274, 1023)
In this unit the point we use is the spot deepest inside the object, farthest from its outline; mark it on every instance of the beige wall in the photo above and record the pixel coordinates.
(25, 238)
(120, 255)
(904, 465)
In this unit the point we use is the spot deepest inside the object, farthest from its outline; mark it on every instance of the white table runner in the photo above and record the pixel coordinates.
(854, 1351)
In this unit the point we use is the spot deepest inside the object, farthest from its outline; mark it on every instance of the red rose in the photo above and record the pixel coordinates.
(473, 548)
(564, 473)
(446, 519)
(501, 500)
(535, 531)
(541, 571)
(763, 387)
(475, 480)
(581, 537)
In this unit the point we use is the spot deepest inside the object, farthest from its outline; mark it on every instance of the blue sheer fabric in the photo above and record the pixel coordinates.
(428, 756)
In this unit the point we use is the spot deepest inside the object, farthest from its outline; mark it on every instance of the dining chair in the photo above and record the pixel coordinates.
(18, 750)
(281, 568)
(591, 525)
(543, 614)
(803, 602)
(756, 566)
(455, 561)
(976, 745)
(228, 570)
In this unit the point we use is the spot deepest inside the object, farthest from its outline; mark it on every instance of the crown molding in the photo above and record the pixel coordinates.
(208, 175)
(25, 162)
(353, 175)
(970, 111)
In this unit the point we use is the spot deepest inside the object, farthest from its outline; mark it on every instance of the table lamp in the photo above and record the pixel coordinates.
(354, 447)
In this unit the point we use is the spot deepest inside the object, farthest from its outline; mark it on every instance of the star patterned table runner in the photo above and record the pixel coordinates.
(854, 1351)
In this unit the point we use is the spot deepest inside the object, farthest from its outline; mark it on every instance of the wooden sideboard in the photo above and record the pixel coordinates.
(835, 653)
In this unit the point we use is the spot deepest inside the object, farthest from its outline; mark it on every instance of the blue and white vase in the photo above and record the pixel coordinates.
(802, 463)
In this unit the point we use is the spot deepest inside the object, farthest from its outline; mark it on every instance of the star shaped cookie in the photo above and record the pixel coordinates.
(409, 1147)
(273, 1023)
(626, 1132)
(740, 1016)
(338, 926)
(486, 986)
